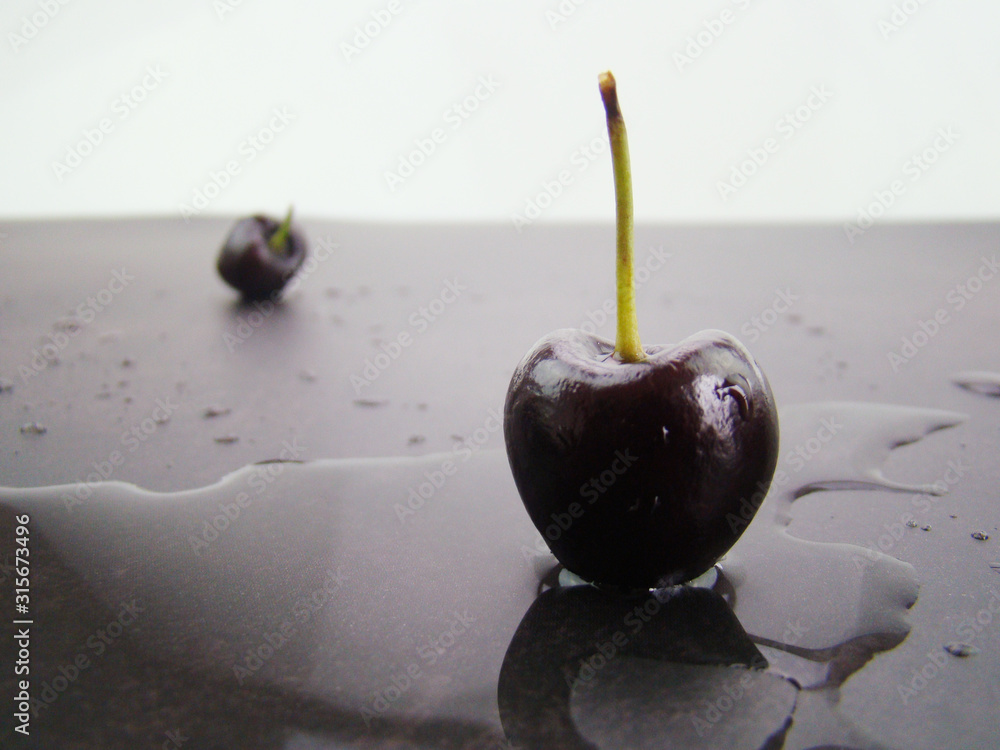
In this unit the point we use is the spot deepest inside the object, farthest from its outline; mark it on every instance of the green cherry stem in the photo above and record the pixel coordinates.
(627, 345)
(279, 240)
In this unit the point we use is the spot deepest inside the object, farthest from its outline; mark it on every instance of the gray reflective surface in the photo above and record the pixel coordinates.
(406, 600)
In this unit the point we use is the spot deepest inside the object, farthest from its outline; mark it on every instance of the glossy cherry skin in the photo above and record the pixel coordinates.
(636, 474)
(248, 264)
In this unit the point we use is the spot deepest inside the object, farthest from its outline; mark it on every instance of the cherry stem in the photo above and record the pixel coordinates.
(279, 240)
(627, 345)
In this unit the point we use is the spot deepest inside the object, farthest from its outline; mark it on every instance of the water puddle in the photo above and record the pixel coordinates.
(812, 612)
(371, 597)
(820, 611)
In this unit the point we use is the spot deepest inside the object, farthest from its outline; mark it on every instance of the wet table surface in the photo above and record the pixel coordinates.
(294, 526)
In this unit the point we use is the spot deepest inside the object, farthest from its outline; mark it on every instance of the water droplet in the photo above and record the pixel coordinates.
(980, 536)
(738, 395)
(995, 565)
(961, 650)
(68, 324)
(33, 428)
(226, 439)
(109, 337)
(983, 383)
(925, 527)
(369, 403)
(569, 578)
(416, 440)
(127, 362)
(911, 524)
(6, 386)
(308, 376)
(215, 411)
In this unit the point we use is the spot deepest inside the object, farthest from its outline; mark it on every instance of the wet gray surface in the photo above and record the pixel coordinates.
(409, 619)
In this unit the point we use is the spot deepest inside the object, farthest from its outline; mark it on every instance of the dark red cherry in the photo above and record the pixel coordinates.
(638, 464)
(634, 472)
(260, 255)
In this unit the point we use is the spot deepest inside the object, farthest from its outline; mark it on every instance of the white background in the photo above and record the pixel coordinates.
(356, 115)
